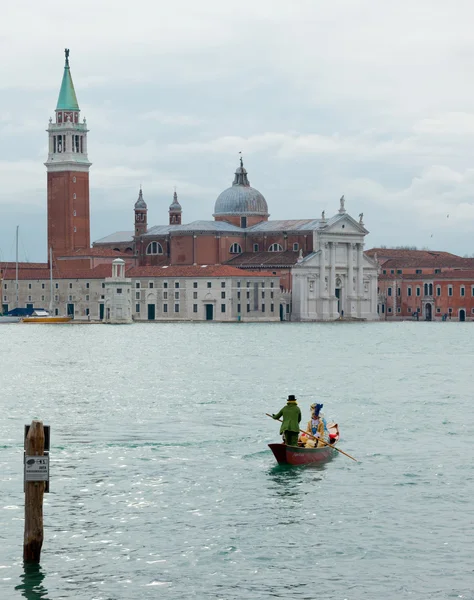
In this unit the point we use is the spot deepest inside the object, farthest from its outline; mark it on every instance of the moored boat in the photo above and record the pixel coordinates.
(43, 316)
(4, 319)
(299, 455)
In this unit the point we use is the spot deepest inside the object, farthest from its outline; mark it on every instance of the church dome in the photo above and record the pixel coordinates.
(240, 198)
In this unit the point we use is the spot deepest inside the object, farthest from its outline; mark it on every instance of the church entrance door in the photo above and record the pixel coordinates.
(151, 312)
(209, 312)
(462, 315)
(428, 312)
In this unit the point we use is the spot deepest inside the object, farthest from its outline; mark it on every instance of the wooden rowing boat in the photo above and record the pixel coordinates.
(299, 455)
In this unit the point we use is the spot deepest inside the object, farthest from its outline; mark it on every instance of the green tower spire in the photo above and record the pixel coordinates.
(67, 95)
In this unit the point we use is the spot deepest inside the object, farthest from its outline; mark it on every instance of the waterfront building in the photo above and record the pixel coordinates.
(193, 293)
(240, 244)
(424, 285)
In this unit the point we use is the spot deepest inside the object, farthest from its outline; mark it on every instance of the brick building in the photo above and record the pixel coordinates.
(424, 285)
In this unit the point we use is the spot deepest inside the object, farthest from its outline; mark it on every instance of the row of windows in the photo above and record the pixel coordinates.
(409, 309)
(157, 248)
(196, 306)
(151, 284)
(428, 290)
(43, 285)
(400, 271)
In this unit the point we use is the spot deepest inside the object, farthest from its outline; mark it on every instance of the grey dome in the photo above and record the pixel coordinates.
(241, 199)
(140, 203)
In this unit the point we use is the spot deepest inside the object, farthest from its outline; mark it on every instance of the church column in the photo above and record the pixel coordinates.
(332, 281)
(322, 271)
(360, 272)
(350, 270)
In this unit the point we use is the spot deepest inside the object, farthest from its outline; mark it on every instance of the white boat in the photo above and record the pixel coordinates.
(4, 319)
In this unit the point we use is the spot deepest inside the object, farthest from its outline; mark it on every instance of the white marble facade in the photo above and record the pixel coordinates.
(337, 279)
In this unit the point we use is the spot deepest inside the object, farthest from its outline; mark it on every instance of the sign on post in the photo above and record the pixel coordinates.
(37, 468)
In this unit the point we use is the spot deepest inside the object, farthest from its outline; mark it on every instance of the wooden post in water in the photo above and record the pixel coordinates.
(34, 491)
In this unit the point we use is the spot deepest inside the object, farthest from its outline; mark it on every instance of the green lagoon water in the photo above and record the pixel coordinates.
(163, 485)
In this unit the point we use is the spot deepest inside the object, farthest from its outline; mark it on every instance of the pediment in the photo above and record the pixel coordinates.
(345, 225)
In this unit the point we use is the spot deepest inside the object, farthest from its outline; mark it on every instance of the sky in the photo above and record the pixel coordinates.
(373, 100)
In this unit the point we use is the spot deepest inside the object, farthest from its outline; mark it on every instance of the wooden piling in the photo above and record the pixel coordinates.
(34, 491)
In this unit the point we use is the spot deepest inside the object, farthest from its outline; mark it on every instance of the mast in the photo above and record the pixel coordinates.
(51, 281)
(16, 269)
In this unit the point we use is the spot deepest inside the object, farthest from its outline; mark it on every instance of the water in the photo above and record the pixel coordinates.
(163, 485)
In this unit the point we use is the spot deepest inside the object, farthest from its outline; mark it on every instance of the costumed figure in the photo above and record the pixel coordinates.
(290, 427)
(317, 427)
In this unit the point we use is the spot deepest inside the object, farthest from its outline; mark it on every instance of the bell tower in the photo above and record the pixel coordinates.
(175, 210)
(141, 210)
(68, 173)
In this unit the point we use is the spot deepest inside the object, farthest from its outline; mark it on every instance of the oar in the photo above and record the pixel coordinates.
(320, 440)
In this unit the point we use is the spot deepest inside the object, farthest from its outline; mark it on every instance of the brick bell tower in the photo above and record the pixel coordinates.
(68, 174)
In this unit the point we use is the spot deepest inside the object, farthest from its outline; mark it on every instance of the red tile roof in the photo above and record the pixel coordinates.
(99, 272)
(268, 260)
(401, 257)
(91, 252)
(194, 271)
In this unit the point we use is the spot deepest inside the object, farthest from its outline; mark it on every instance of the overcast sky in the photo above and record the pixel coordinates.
(374, 100)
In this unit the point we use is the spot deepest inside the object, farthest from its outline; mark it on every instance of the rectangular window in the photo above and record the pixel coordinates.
(56, 298)
(409, 309)
(238, 308)
(195, 295)
(222, 284)
(472, 291)
(165, 284)
(119, 290)
(450, 290)
(87, 285)
(438, 310)
(399, 291)
(165, 295)
(222, 308)
(195, 308)
(248, 284)
(255, 247)
(165, 308)
(209, 284)
(238, 295)
(263, 294)
(42, 286)
(5, 287)
(248, 295)
(419, 271)
(389, 291)
(103, 286)
(223, 295)
(238, 284)
(243, 222)
(272, 284)
(389, 309)
(87, 298)
(70, 298)
(137, 285)
(463, 291)
(399, 271)
(263, 307)
(87, 312)
(384, 272)
(409, 290)
(137, 308)
(150, 285)
(176, 284)
(195, 284)
(42, 298)
(248, 307)
(176, 295)
(438, 290)
(176, 308)
(56, 311)
(70, 286)
(399, 309)
(392, 271)
(29, 286)
(272, 308)
(137, 295)
(29, 298)
(418, 291)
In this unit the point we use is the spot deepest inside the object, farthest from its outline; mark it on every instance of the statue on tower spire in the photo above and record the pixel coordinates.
(66, 52)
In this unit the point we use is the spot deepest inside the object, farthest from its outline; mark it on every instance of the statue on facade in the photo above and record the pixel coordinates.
(323, 216)
(361, 217)
(342, 201)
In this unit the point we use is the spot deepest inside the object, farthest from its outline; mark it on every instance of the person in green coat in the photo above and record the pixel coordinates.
(290, 427)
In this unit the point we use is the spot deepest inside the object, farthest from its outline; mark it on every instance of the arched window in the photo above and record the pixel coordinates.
(154, 248)
(275, 248)
(235, 249)
(296, 247)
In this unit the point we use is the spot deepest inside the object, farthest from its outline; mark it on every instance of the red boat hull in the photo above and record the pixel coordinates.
(296, 455)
